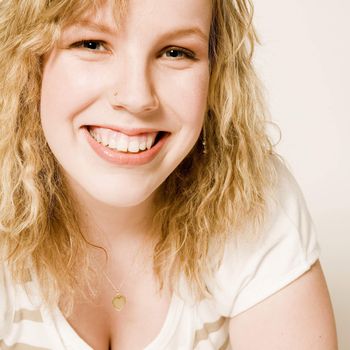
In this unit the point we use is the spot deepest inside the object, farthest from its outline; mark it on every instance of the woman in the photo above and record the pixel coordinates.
(142, 204)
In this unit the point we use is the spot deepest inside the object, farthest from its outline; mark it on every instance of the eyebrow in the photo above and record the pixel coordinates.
(187, 32)
(100, 27)
(182, 32)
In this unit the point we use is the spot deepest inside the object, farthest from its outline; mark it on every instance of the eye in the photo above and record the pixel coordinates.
(177, 53)
(90, 45)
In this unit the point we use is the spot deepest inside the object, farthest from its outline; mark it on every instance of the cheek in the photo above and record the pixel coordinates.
(187, 95)
(66, 89)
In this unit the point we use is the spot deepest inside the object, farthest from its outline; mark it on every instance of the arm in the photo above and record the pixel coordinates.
(298, 317)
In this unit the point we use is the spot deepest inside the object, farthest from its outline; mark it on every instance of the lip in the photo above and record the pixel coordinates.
(129, 131)
(121, 158)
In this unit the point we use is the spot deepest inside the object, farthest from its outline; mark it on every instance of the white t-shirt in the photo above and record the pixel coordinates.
(249, 273)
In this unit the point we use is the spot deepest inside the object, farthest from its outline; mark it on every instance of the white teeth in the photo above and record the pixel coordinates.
(134, 146)
(143, 145)
(96, 136)
(112, 143)
(149, 141)
(121, 142)
(104, 136)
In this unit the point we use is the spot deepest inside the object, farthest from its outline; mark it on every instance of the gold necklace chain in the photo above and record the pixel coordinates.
(119, 300)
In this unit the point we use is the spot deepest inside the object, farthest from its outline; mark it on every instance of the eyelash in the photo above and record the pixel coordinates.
(80, 44)
(187, 53)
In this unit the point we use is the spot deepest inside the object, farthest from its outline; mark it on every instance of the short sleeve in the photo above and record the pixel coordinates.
(6, 300)
(286, 248)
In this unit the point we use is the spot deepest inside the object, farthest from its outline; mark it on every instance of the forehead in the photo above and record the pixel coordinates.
(171, 10)
(157, 14)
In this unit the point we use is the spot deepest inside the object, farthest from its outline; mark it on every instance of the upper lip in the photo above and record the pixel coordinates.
(126, 131)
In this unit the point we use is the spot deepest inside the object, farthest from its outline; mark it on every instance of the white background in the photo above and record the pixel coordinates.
(304, 63)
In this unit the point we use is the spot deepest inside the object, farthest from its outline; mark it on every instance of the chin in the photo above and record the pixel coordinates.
(116, 197)
(121, 201)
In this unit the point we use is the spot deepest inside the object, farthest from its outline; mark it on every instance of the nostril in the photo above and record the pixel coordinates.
(134, 102)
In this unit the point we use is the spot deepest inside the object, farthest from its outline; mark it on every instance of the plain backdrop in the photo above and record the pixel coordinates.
(304, 63)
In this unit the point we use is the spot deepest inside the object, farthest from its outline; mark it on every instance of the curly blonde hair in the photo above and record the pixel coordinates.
(206, 200)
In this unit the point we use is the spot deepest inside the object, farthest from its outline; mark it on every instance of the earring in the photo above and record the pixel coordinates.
(204, 141)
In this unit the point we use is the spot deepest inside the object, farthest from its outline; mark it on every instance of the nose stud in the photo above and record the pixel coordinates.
(113, 95)
(140, 104)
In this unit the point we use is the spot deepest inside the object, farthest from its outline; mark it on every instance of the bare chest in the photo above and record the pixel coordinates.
(102, 327)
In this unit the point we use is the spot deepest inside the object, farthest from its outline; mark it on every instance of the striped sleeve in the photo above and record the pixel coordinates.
(6, 304)
(21, 323)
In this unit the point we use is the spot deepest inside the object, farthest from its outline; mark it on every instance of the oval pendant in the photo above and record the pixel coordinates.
(119, 301)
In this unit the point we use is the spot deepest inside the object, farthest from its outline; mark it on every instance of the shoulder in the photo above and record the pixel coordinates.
(299, 316)
(255, 267)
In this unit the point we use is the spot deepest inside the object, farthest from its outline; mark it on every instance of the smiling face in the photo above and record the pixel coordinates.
(121, 108)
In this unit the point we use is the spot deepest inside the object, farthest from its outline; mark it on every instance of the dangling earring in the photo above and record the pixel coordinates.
(204, 141)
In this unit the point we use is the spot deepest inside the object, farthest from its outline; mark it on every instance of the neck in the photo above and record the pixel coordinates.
(115, 223)
(114, 228)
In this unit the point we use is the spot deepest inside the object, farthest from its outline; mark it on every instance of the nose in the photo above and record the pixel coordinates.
(133, 89)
